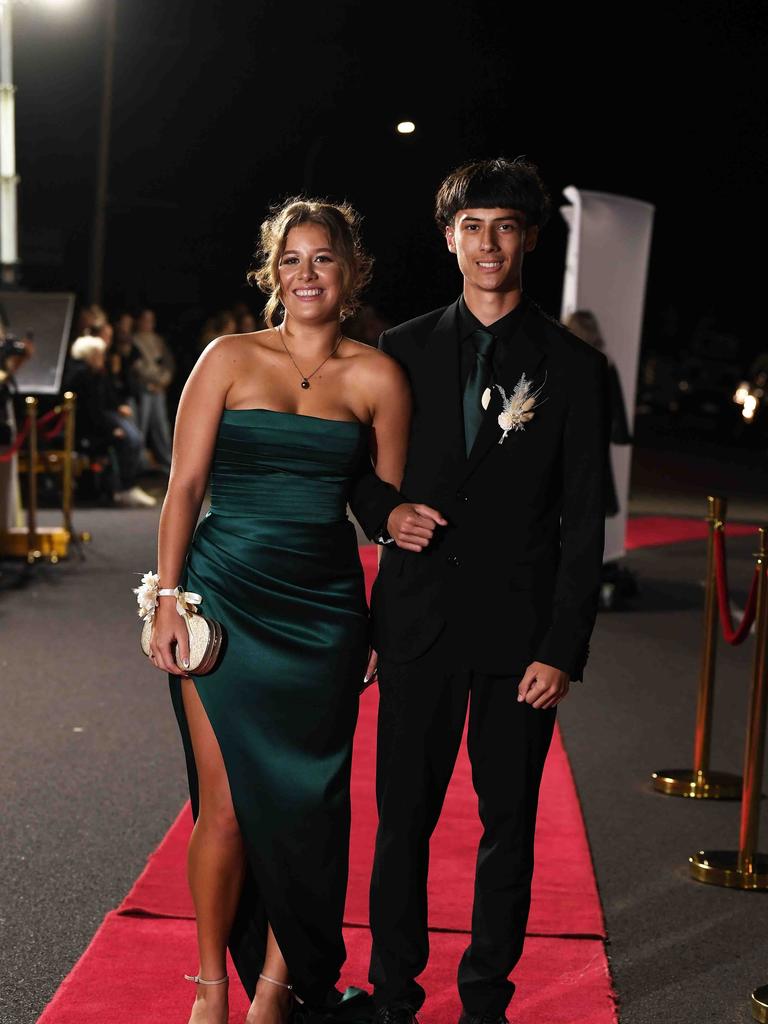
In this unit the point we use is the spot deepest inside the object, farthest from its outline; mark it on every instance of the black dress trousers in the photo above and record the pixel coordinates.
(423, 707)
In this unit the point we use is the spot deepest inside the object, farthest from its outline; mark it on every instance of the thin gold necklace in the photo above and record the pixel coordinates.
(306, 379)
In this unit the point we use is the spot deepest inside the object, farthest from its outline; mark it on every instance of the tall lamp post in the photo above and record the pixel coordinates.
(9, 230)
(9, 253)
(96, 275)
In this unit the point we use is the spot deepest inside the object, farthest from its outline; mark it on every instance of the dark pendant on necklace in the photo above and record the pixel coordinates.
(305, 383)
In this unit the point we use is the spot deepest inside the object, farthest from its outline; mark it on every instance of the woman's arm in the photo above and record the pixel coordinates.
(197, 423)
(411, 526)
(391, 422)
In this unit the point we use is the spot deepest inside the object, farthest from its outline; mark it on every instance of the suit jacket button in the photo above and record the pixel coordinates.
(453, 560)
(462, 496)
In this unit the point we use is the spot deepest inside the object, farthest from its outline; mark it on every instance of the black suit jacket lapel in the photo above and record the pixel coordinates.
(526, 354)
(442, 401)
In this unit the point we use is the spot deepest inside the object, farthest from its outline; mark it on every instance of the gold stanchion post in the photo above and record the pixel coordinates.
(699, 782)
(33, 552)
(66, 474)
(760, 1004)
(745, 868)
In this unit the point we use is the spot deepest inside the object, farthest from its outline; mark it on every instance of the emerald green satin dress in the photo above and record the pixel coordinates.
(276, 562)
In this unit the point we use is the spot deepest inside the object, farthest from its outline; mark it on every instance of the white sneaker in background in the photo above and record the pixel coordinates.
(135, 497)
(142, 499)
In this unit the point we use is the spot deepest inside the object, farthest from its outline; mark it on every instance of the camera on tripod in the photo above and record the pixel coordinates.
(12, 346)
(13, 351)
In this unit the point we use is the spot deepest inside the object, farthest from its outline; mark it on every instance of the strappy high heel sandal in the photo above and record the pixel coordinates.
(282, 984)
(292, 1017)
(201, 981)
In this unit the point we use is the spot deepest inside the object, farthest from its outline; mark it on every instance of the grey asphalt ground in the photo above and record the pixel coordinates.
(91, 773)
(681, 952)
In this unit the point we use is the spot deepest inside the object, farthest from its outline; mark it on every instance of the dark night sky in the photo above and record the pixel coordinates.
(217, 107)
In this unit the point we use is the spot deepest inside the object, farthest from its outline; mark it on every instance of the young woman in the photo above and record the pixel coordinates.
(284, 420)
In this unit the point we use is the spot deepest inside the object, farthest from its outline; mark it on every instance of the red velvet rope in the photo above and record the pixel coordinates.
(17, 443)
(55, 430)
(56, 411)
(46, 435)
(733, 635)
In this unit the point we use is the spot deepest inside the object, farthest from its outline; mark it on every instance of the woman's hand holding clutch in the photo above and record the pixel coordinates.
(176, 637)
(169, 631)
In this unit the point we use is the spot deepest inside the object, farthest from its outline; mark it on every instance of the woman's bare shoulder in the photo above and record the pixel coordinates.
(378, 372)
(234, 346)
(371, 358)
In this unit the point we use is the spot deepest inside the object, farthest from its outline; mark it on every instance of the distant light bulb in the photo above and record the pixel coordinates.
(406, 127)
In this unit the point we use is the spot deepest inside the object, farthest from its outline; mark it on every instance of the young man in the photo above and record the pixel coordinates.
(494, 610)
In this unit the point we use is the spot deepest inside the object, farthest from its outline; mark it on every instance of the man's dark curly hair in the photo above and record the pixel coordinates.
(490, 184)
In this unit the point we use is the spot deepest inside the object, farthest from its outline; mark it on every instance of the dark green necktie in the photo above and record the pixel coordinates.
(477, 381)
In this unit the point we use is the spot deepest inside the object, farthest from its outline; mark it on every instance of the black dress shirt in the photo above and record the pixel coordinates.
(503, 331)
(467, 323)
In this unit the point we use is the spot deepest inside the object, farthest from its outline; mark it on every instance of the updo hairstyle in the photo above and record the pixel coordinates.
(342, 224)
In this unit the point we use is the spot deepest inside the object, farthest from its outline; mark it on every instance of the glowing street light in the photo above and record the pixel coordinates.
(9, 252)
(750, 405)
(406, 128)
(741, 393)
(9, 246)
(9, 179)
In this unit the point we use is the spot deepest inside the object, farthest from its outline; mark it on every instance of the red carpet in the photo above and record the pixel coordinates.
(565, 900)
(655, 531)
(133, 971)
(134, 966)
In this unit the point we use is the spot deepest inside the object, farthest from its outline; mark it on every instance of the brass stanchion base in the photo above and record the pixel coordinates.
(760, 1004)
(698, 785)
(52, 543)
(721, 867)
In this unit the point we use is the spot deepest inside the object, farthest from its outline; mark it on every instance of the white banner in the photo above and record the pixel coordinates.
(606, 269)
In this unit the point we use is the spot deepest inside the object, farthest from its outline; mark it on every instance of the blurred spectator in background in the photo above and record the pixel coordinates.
(247, 323)
(584, 325)
(154, 370)
(14, 353)
(103, 425)
(618, 582)
(215, 326)
(366, 325)
(90, 317)
(122, 357)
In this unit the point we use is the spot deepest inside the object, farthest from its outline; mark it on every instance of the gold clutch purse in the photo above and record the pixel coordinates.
(205, 635)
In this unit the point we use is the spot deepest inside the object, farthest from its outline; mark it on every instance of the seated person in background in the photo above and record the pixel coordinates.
(102, 423)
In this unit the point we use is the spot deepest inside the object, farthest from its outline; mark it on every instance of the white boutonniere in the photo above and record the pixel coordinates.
(517, 408)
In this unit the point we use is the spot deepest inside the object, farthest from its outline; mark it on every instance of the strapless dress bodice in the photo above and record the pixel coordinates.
(285, 466)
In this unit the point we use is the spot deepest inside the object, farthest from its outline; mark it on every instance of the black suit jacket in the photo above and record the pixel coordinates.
(515, 575)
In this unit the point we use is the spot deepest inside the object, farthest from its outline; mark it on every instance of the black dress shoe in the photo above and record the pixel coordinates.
(398, 1013)
(468, 1018)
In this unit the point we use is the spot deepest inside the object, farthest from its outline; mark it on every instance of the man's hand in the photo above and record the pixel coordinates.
(543, 686)
(412, 526)
(372, 670)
